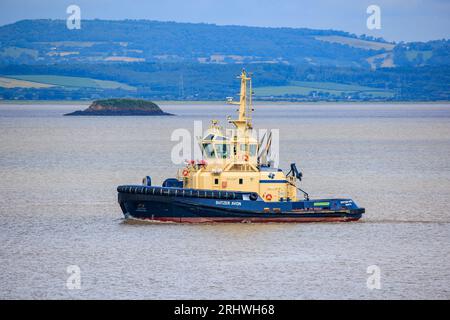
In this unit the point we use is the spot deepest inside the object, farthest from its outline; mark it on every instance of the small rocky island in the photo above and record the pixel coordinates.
(121, 107)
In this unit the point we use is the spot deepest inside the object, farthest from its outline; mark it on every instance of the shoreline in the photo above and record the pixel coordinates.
(219, 102)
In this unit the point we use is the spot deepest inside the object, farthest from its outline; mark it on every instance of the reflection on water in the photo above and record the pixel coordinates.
(57, 184)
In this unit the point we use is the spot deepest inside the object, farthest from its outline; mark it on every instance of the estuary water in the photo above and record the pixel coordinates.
(58, 178)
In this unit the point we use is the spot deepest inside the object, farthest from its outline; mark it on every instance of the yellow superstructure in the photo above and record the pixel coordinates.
(236, 162)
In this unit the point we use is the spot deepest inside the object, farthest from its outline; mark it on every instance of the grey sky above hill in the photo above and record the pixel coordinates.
(407, 20)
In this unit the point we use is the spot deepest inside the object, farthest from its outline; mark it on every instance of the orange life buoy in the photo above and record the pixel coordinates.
(246, 157)
(185, 172)
(268, 197)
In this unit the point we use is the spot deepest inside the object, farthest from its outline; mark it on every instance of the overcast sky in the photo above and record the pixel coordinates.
(408, 20)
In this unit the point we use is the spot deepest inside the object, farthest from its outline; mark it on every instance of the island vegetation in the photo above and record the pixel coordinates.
(121, 107)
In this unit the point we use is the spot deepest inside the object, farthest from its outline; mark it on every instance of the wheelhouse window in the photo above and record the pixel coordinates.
(223, 150)
(208, 149)
(252, 150)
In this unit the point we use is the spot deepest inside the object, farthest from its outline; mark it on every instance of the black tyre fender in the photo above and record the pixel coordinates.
(147, 181)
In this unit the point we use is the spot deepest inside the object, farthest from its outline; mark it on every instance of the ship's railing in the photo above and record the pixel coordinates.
(182, 192)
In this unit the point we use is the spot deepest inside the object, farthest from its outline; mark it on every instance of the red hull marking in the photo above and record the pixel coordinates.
(252, 220)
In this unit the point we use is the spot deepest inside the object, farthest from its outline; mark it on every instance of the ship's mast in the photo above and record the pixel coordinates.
(245, 104)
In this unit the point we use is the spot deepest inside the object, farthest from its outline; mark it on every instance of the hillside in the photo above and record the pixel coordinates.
(42, 59)
(49, 41)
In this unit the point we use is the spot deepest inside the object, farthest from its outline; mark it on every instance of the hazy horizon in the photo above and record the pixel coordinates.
(401, 20)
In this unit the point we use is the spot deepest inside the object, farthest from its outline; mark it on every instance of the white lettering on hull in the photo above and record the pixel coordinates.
(228, 203)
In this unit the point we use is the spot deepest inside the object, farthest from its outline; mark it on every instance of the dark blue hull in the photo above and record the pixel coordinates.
(165, 204)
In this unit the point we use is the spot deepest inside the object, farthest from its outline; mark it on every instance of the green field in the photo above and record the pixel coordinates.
(412, 54)
(73, 82)
(304, 88)
(357, 43)
(16, 83)
(16, 52)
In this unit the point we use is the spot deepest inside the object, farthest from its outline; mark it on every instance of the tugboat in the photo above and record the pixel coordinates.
(234, 182)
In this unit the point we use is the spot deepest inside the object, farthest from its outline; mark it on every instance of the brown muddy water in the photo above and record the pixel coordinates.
(58, 178)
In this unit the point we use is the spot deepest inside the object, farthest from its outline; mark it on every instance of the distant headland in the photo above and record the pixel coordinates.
(121, 107)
